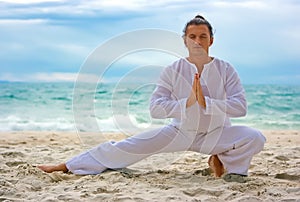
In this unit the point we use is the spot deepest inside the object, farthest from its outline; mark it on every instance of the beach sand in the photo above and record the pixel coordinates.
(273, 176)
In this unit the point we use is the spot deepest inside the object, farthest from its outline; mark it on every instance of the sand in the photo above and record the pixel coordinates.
(274, 174)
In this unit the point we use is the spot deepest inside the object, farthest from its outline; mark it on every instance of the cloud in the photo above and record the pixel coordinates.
(36, 77)
(57, 36)
(241, 4)
(52, 77)
(29, 1)
(134, 76)
(23, 21)
(80, 8)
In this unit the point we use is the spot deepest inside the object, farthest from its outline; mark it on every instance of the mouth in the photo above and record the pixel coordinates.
(197, 47)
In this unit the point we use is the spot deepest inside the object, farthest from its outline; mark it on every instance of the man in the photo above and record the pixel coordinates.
(201, 93)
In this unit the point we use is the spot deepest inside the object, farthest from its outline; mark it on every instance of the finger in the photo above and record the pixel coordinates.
(196, 82)
(192, 98)
(200, 96)
(199, 90)
(197, 87)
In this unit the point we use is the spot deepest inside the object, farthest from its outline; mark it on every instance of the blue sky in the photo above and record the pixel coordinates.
(50, 40)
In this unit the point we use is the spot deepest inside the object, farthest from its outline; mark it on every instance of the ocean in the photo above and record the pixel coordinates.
(50, 107)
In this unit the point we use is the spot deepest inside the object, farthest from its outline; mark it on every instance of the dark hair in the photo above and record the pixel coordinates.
(199, 20)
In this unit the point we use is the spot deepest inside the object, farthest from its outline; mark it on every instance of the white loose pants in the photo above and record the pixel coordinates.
(235, 147)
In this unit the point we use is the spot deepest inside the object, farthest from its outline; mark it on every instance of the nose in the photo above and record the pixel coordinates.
(197, 41)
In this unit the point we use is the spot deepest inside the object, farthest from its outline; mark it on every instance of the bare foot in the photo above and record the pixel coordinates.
(216, 165)
(51, 168)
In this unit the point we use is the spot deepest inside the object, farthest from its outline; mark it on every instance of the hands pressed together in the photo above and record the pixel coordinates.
(196, 93)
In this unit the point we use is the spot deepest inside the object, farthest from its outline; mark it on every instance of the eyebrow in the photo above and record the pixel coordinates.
(203, 34)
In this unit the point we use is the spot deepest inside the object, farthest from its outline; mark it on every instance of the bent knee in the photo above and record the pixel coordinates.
(258, 140)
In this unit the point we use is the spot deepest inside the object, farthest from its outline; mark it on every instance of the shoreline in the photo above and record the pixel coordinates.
(274, 174)
(94, 138)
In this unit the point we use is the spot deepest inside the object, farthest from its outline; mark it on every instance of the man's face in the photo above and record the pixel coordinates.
(196, 37)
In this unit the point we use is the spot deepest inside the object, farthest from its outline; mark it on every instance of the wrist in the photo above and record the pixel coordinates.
(190, 102)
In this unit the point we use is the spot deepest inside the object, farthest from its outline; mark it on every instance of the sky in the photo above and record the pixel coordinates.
(50, 40)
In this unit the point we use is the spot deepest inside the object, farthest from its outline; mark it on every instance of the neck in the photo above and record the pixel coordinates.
(199, 61)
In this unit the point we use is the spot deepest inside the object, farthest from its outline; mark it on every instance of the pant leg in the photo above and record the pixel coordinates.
(235, 147)
(126, 152)
(84, 164)
(246, 143)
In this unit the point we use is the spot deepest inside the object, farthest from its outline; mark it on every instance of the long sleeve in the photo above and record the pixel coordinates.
(234, 103)
(163, 106)
(162, 103)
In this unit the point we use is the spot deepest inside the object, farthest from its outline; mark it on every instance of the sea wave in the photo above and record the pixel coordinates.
(49, 106)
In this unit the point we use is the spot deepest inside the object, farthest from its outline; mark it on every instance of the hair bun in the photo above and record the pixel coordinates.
(198, 20)
(199, 16)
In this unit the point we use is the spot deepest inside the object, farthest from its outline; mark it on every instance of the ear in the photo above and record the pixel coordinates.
(184, 40)
(211, 41)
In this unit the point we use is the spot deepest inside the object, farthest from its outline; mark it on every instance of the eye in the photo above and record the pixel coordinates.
(192, 36)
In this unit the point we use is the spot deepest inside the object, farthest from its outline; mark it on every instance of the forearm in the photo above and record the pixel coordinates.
(233, 107)
(166, 108)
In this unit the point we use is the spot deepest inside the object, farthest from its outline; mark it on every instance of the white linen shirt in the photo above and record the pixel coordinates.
(222, 89)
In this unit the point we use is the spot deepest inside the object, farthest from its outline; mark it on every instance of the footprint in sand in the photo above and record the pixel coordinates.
(201, 191)
(12, 154)
(286, 176)
(15, 163)
(101, 190)
(282, 158)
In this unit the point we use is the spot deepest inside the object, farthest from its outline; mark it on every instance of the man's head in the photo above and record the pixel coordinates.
(198, 31)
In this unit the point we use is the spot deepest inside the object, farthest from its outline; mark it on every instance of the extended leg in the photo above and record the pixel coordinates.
(126, 152)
